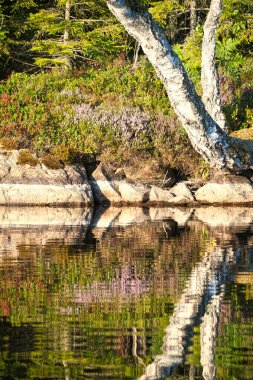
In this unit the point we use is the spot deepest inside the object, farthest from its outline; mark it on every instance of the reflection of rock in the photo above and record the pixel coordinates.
(225, 216)
(31, 241)
(132, 215)
(104, 217)
(37, 185)
(180, 215)
(48, 216)
(35, 227)
(116, 216)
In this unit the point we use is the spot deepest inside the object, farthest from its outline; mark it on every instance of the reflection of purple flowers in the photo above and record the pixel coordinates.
(125, 285)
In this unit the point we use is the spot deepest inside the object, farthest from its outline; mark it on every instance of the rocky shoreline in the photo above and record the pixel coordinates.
(32, 183)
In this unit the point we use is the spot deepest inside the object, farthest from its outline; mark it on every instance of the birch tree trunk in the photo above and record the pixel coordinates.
(193, 17)
(67, 19)
(209, 76)
(206, 136)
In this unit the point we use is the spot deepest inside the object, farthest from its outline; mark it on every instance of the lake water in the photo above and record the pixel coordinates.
(126, 293)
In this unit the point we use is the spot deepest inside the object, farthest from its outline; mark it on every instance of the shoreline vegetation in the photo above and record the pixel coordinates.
(113, 114)
(107, 105)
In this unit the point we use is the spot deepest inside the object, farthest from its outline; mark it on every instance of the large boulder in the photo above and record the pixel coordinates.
(182, 190)
(158, 195)
(133, 193)
(108, 189)
(227, 189)
(32, 183)
(103, 186)
(179, 194)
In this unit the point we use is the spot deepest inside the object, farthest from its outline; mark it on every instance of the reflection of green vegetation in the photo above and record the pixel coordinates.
(50, 308)
(98, 307)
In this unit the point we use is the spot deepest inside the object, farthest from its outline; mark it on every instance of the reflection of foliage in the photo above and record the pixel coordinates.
(51, 309)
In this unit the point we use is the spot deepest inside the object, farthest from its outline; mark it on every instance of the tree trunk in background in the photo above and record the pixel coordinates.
(209, 76)
(67, 19)
(193, 17)
(206, 136)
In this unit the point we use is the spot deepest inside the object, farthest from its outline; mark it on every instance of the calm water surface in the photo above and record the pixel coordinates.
(126, 293)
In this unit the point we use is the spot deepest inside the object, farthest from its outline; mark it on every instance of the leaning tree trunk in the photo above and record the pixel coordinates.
(209, 76)
(206, 136)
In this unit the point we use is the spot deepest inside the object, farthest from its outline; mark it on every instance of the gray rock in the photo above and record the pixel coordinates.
(38, 185)
(133, 193)
(108, 190)
(159, 195)
(105, 192)
(182, 190)
(103, 186)
(181, 200)
(229, 189)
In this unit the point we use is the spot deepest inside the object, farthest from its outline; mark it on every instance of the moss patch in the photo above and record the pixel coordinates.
(25, 157)
(52, 162)
(8, 144)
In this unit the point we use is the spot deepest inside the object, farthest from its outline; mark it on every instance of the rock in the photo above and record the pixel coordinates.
(108, 190)
(182, 190)
(229, 189)
(181, 200)
(159, 195)
(179, 194)
(38, 185)
(103, 186)
(105, 192)
(102, 173)
(133, 193)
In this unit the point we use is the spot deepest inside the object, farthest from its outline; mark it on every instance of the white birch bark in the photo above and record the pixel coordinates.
(208, 334)
(183, 316)
(193, 17)
(209, 75)
(67, 19)
(216, 147)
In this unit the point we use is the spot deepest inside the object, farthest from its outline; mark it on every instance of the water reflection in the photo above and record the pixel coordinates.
(126, 293)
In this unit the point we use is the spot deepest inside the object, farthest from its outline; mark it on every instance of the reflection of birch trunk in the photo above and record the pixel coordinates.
(185, 311)
(208, 333)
